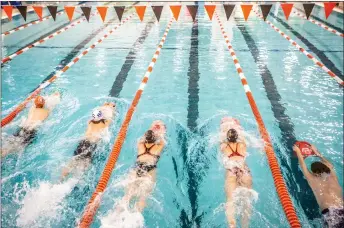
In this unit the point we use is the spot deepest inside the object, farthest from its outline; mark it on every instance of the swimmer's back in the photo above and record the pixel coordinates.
(94, 130)
(36, 115)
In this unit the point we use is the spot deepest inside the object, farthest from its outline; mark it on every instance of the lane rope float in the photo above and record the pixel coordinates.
(29, 24)
(93, 204)
(280, 185)
(320, 24)
(311, 57)
(21, 51)
(22, 105)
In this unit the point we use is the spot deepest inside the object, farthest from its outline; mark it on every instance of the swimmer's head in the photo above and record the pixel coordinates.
(319, 168)
(150, 137)
(97, 115)
(232, 135)
(39, 102)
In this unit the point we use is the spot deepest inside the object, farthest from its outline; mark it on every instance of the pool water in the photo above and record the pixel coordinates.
(193, 85)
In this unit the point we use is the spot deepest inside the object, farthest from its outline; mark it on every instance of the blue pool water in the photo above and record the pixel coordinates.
(193, 85)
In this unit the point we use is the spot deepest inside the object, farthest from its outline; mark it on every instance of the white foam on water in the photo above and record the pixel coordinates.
(43, 203)
(242, 197)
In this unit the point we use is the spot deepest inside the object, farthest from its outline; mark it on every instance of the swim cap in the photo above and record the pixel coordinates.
(39, 102)
(232, 135)
(97, 115)
(150, 136)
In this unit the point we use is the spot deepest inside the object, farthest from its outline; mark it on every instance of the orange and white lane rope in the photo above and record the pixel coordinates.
(28, 25)
(94, 202)
(280, 185)
(319, 24)
(311, 57)
(21, 51)
(21, 106)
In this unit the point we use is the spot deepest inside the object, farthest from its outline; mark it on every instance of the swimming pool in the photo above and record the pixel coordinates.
(193, 85)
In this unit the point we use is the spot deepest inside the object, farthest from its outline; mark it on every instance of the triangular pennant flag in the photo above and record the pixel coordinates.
(228, 10)
(87, 12)
(22, 10)
(193, 11)
(329, 6)
(38, 10)
(265, 10)
(140, 10)
(210, 10)
(157, 11)
(308, 8)
(119, 10)
(246, 9)
(286, 7)
(52, 11)
(70, 11)
(102, 11)
(175, 11)
(8, 11)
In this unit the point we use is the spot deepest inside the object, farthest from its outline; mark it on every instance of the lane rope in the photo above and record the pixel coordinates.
(311, 57)
(280, 185)
(21, 106)
(94, 203)
(29, 24)
(319, 24)
(21, 51)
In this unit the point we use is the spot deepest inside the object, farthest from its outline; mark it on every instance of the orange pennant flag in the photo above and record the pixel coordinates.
(246, 9)
(102, 11)
(70, 11)
(328, 6)
(210, 10)
(140, 10)
(175, 11)
(8, 11)
(38, 10)
(287, 7)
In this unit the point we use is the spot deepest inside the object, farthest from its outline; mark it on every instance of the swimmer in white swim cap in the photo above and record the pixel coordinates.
(96, 126)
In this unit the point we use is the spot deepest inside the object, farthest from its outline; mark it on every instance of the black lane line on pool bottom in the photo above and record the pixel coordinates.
(323, 58)
(294, 176)
(43, 36)
(75, 51)
(129, 60)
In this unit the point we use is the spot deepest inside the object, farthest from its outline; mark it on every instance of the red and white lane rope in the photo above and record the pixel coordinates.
(21, 51)
(280, 185)
(28, 25)
(93, 204)
(320, 24)
(311, 57)
(21, 106)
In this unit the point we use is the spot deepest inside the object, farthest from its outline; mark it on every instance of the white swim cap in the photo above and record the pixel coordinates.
(97, 115)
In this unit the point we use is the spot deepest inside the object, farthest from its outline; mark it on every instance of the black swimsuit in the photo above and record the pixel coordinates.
(26, 135)
(143, 167)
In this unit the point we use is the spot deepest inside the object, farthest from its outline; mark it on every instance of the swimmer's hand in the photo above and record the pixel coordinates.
(315, 150)
(297, 151)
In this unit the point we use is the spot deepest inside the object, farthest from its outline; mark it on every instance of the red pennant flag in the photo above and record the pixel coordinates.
(175, 11)
(210, 10)
(70, 11)
(287, 7)
(246, 9)
(102, 11)
(38, 10)
(140, 10)
(8, 11)
(329, 6)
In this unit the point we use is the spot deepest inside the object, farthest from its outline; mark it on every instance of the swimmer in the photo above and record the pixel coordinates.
(97, 126)
(324, 183)
(143, 175)
(27, 132)
(237, 172)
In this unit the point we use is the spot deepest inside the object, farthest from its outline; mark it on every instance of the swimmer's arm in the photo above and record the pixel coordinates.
(301, 161)
(107, 122)
(242, 148)
(223, 147)
(323, 159)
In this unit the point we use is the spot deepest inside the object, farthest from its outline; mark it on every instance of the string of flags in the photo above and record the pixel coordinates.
(192, 10)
